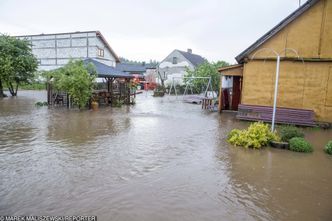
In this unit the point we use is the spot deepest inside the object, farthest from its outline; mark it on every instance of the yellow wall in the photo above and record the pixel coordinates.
(308, 85)
(310, 34)
(305, 85)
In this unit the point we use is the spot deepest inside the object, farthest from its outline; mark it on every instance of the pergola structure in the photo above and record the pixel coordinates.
(109, 96)
(112, 74)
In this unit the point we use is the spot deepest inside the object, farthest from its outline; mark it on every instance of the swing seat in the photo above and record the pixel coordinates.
(193, 99)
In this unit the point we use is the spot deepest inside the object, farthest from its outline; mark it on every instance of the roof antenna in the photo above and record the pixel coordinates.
(299, 3)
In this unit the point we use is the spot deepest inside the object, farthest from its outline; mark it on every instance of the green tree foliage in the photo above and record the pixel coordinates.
(127, 61)
(17, 63)
(77, 79)
(206, 69)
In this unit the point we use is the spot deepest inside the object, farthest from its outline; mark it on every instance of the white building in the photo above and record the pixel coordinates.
(55, 50)
(176, 64)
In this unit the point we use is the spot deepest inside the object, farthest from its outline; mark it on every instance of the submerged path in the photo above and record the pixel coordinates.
(158, 160)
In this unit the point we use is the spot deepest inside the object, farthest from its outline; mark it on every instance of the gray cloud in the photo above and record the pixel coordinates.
(150, 29)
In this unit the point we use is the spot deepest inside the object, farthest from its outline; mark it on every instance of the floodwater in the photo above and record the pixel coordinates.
(158, 160)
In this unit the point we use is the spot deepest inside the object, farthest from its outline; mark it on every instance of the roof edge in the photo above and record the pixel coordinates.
(59, 33)
(294, 15)
(181, 52)
(230, 67)
(117, 59)
(185, 52)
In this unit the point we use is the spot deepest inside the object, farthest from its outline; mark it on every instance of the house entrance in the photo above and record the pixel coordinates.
(230, 87)
(231, 93)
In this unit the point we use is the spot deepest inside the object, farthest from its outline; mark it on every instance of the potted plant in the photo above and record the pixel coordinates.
(286, 132)
(94, 104)
(159, 91)
(279, 144)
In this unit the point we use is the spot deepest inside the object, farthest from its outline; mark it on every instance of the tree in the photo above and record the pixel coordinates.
(5, 69)
(205, 70)
(17, 63)
(77, 79)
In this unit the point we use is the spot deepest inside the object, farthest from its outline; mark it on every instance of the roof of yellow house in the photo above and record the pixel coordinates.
(229, 67)
(275, 30)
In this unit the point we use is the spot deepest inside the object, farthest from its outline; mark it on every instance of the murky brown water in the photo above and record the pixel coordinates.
(157, 160)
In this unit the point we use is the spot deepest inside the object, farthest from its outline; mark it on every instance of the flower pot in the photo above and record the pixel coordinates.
(279, 144)
(94, 105)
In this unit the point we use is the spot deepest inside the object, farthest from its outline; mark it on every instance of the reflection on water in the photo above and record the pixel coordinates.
(79, 127)
(158, 160)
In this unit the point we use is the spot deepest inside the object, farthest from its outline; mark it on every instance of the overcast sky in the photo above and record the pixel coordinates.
(151, 29)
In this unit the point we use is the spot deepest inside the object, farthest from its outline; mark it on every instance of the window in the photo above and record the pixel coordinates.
(100, 52)
(175, 60)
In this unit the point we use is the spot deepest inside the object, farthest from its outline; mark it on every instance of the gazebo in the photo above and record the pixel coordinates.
(117, 84)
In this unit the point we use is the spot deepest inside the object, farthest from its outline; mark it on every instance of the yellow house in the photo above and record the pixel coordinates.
(304, 42)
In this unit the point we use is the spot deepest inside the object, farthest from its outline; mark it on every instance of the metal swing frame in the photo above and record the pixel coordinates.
(209, 85)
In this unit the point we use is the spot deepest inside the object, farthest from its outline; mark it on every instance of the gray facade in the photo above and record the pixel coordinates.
(174, 66)
(55, 50)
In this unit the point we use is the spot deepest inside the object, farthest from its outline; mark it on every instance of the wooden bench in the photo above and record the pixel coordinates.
(283, 115)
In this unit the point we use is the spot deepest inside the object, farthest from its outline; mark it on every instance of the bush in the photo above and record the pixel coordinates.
(117, 103)
(40, 103)
(328, 147)
(257, 135)
(159, 91)
(299, 144)
(288, 132)
(77, 79)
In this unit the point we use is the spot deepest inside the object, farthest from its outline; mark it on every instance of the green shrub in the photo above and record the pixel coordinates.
(288, 132)
(77, 79)
(328, 147)
(299, 144)
(117, 103)
(40, 103)
(256, 136)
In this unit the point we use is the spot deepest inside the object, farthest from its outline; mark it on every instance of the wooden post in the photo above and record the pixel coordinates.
(108, 84)
(128, 90)
(220, 95)
(111, 90)
(48, 93)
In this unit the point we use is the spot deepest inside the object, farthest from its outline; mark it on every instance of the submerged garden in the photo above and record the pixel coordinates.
(259, 135)
(159, 159)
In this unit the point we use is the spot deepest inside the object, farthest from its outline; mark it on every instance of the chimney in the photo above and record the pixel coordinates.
(189, 50)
